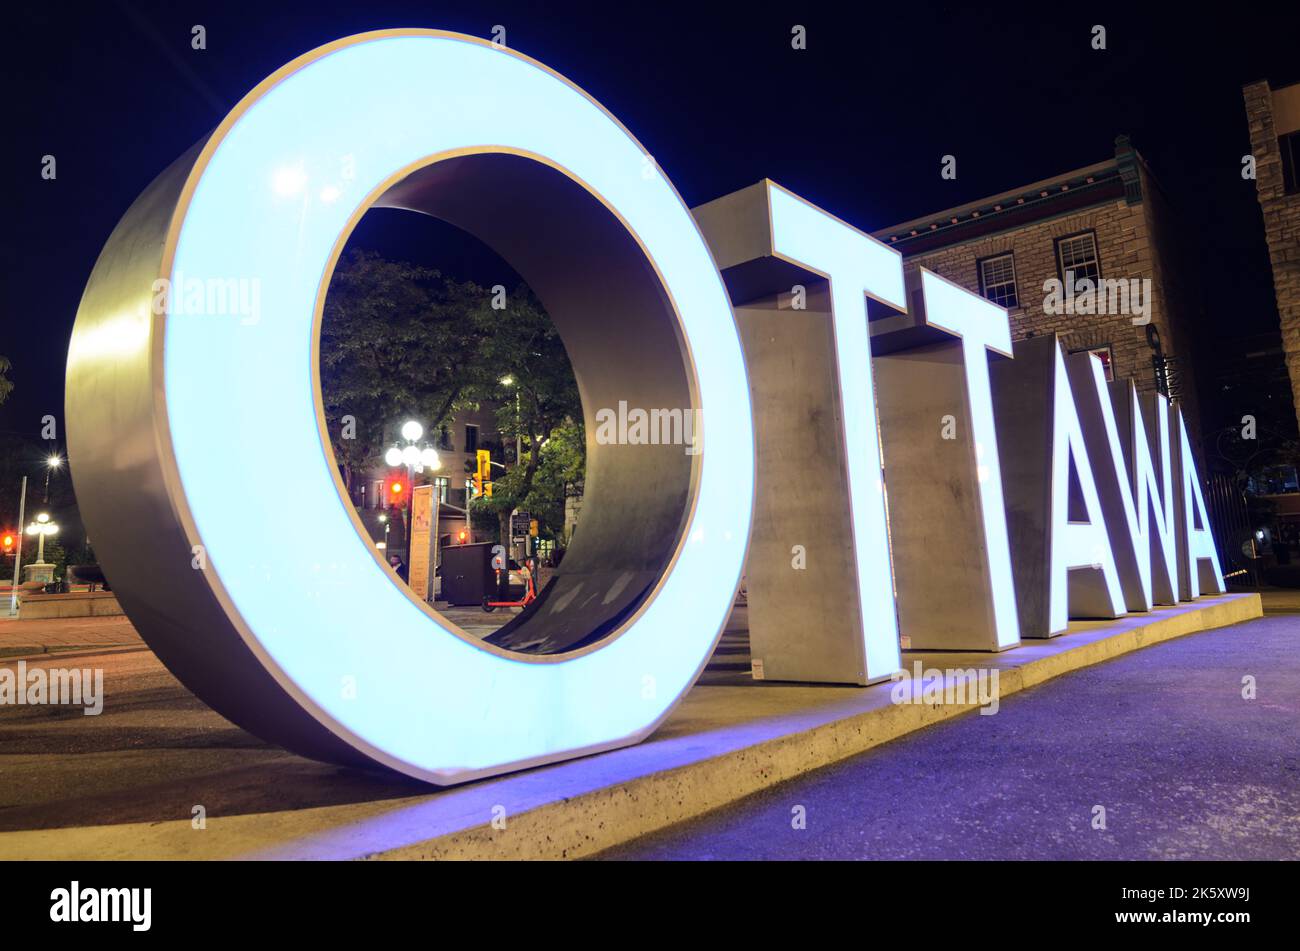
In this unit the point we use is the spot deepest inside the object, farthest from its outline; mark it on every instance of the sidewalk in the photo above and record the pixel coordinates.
(1280, 600)
(58, 635)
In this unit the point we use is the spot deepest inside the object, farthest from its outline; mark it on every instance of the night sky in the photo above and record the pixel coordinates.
(856, 123)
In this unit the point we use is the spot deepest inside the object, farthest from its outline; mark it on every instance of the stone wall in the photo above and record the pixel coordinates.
(1131, 239)
(1281, 223)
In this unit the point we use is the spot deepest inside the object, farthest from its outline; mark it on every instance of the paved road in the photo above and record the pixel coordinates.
(156, 750)
(1162, 738)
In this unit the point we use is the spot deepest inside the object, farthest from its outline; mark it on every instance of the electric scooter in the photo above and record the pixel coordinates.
(530, 591)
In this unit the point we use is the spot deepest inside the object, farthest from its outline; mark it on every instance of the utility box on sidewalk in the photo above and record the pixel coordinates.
(467, 573)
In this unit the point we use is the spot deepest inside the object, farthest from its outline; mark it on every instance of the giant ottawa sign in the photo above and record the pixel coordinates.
(971, 493)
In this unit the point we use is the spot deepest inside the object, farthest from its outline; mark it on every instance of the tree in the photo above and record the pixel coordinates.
(399, 340)
(6, 384)
(396, 341)
(538, 398)
(563, 464)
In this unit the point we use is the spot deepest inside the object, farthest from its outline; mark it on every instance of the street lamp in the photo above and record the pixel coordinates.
(415, 458)
(39, 570)
(51, 463)
(519, 439)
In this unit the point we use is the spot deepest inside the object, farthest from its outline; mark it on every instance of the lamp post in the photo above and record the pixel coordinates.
(519, 438)
(18, 549)
(415, 458)
(51, 463)
(39, 570)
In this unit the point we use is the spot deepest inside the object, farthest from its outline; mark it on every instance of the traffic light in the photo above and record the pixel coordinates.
(483, 473)
(462, 536)
(396, 492)
(10, 542)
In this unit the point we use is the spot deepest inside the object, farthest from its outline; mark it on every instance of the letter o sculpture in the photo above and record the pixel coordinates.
(206, 476)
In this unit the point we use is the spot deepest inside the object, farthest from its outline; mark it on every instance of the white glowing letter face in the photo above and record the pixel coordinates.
(1153, 489)
(269, 195)
(1198, 563)
(982, 326)
(1155, 497)
(1129, 541)
(856, 266)
(1078, 546)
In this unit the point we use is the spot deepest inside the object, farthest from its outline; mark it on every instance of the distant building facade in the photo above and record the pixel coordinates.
(1107, 227)
(457, 441)
(1274, 118)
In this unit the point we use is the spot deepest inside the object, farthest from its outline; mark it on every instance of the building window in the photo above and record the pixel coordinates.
(1290, 147)
(998, 280)
(471, 438)
(444, 439)
(1077, 255)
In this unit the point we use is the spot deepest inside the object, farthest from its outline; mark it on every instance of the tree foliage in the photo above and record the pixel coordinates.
(6, 384)
(538, 405)
(399, 341)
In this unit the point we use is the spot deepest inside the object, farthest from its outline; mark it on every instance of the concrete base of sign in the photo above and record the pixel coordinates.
(729, 738)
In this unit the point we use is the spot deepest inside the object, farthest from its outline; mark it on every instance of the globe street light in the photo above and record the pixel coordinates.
(42, 527)
(416, 459)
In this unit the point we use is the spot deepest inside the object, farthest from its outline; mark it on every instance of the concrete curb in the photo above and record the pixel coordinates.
(41, 652)
(724, 743)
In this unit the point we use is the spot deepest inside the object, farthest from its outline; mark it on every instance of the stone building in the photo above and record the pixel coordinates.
(457, 441)
(1093, 254)
(1274, 117)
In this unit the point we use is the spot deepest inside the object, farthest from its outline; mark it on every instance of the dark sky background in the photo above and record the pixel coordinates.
(856, 123)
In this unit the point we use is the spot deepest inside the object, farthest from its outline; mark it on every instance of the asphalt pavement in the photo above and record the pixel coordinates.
(1155, 755)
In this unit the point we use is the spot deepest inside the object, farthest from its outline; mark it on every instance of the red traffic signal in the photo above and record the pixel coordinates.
(9, 541)
(396, 491)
